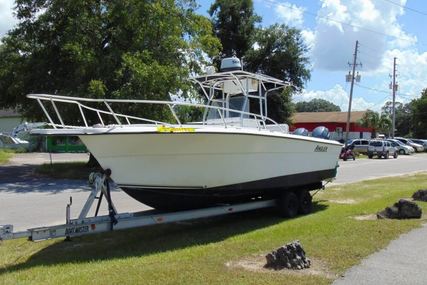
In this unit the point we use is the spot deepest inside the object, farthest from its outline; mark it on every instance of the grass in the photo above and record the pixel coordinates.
(65, 170)
(196, 252)
(5, 155)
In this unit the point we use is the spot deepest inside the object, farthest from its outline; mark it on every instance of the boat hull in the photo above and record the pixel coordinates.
(194, 169)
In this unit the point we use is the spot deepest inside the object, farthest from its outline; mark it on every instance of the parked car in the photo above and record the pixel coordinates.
(401, 147)
(359, 145)
(417, 147)
(9, 142)
(421, 142)
(381, 148)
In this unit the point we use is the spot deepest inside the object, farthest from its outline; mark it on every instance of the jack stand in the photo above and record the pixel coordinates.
(68, 217)
(100, 182)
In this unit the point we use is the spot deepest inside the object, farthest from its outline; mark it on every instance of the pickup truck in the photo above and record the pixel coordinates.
(381, 148)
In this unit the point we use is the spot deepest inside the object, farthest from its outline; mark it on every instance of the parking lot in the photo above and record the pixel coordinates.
(29, 201)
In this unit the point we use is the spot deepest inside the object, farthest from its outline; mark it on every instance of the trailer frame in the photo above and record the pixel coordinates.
(84, 225)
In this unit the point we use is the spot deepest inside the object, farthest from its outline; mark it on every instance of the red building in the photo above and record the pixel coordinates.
(335, 122)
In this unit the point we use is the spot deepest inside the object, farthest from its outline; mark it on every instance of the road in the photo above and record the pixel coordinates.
(403, 262)
(27, 201)
(362, 169)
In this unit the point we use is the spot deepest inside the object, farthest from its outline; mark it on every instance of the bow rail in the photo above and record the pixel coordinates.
(82, 104)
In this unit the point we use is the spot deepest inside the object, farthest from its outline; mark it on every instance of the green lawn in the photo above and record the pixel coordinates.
(197, 252)
(65, 170)
(5, 155)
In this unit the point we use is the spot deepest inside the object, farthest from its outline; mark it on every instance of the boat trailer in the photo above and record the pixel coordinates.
(84, 225)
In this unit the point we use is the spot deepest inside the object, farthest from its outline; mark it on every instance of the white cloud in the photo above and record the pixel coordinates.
(381, 35)
(290, 14)
(333, 10)
(7, 21)
(411, 70)
(338, 96)
(309, 38)
(341, 22)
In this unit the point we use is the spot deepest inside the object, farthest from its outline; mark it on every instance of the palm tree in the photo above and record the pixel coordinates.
(371, 120)
(385, 124)
(376, 122)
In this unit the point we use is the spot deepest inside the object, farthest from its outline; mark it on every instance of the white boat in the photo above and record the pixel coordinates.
(230, 155)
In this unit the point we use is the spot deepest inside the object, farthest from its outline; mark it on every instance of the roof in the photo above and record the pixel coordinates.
(327, 117)
(8, 113)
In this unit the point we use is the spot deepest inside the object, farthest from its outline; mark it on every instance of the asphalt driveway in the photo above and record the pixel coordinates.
(28, 200)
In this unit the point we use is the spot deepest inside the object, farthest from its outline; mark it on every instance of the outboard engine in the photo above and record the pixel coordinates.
(321, 132)
(230, 64)
(301, 132)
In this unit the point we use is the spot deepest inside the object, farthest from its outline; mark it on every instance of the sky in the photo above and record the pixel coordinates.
(385, 29)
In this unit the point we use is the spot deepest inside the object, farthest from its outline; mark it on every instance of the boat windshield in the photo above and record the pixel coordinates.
(238, 103)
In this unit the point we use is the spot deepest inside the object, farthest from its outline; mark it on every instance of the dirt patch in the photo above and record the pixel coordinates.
(256, 264)
(370, 217)
(344, 201)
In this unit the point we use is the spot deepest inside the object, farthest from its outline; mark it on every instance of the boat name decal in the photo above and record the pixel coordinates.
(164, 129)
(321, 148)
(77, 230)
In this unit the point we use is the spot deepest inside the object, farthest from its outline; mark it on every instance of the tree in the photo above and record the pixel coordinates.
(403, 117)
(234, 24)
(388, 107)
(419, 115)
(317, 105)
(404, 120)
(385, 124)
(280, 52)
(113, 49)
(377, 122)
(279, 106)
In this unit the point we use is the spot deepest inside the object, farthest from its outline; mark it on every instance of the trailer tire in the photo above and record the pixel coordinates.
(287, 205)
(305, 205)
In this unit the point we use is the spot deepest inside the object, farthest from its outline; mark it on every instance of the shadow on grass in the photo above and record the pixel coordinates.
(141, 242)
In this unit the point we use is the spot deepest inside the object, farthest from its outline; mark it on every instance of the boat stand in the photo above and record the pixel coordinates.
(84, 225)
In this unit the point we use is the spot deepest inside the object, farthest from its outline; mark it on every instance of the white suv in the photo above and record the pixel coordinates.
(381, 148)
(359, 145)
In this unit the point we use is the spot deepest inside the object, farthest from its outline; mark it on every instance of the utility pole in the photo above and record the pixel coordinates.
(394, 89)
(351, 77)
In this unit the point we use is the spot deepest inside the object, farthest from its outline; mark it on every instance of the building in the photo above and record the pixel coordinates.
(335, 122)
(9, 119)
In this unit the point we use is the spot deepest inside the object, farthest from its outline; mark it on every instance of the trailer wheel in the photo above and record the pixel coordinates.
(288, 204)
(305, 205)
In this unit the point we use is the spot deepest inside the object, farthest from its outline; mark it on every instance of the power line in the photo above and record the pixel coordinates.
(373, 89)
(407, 8)
(408, 96)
